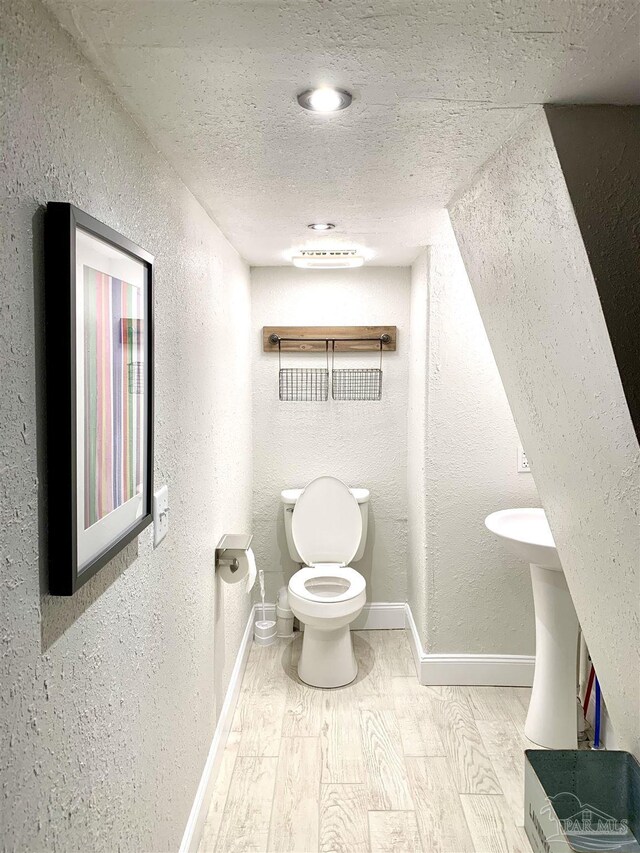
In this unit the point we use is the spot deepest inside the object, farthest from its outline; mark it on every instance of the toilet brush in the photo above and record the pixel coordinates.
(264, 632)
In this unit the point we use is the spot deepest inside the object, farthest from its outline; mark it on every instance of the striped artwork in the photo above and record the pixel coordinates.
(114, 386)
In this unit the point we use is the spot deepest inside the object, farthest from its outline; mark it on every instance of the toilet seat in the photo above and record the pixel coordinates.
(302, 583)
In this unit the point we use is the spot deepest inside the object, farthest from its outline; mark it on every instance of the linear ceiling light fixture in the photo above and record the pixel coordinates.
(321, 226)
(325, 99)
(327, 259)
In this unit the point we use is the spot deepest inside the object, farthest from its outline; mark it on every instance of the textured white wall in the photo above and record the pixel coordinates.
(463, 454)
(109, 699)
(364, 443)
(529, 269)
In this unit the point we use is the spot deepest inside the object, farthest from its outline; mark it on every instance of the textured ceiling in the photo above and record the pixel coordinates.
(437, 84)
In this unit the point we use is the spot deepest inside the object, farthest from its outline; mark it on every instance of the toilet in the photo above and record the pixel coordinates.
(325, 532)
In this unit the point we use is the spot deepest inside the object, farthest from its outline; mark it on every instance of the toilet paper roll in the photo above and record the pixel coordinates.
(252, 571)
(246, 570)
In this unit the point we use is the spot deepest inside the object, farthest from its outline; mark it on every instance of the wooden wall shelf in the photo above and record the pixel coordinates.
(314, 338)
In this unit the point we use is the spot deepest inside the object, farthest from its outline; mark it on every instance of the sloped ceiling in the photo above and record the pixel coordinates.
(437, 86)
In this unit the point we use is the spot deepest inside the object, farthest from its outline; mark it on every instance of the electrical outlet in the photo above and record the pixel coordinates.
(160, 515)
(523, 462)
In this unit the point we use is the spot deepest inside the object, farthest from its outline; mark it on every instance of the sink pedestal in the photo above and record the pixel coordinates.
(551, 719)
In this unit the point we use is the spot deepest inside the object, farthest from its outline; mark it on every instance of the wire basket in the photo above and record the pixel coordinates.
(303, 384)
(356, 384)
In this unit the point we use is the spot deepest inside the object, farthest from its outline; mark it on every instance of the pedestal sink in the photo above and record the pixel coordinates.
(551, 719)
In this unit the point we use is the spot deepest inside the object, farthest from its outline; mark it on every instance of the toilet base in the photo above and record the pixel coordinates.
(327, 658)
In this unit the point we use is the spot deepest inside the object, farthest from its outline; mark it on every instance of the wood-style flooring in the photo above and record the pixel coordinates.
(383, 764)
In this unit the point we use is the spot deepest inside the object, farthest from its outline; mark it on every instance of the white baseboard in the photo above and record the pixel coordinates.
(467, 669)
(415, 643)
(376, 615)
(380, 615)
(197, 817)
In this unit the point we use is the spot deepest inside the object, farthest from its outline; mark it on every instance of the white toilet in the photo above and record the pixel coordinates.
(325, 531)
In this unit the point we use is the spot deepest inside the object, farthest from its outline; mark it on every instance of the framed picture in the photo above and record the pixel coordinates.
(99, 349)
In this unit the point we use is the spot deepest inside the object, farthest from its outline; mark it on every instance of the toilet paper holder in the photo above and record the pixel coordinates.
(230, 547)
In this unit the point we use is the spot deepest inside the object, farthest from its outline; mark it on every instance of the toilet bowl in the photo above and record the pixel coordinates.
(327, 594)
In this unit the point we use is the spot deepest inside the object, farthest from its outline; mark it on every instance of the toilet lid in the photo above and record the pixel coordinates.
(326, 523)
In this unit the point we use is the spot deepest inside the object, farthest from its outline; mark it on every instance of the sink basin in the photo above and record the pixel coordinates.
(551, 719)
(526, 533)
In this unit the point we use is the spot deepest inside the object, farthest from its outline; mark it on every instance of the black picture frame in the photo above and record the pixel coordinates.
(63, 223)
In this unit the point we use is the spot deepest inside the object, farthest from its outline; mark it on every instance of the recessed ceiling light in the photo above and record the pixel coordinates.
(327, 259)
(324, 100)
(321, 226)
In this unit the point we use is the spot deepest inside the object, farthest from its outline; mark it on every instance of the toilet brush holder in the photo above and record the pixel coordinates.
(264, 632)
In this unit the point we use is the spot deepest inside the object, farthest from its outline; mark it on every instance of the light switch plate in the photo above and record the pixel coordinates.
(523, 462)
(160, 515)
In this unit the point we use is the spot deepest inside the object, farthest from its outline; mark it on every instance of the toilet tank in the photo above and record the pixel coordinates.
(289, 498)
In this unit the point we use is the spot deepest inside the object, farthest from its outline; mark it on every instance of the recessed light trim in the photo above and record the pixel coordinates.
(325, 99)
(321, 226)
